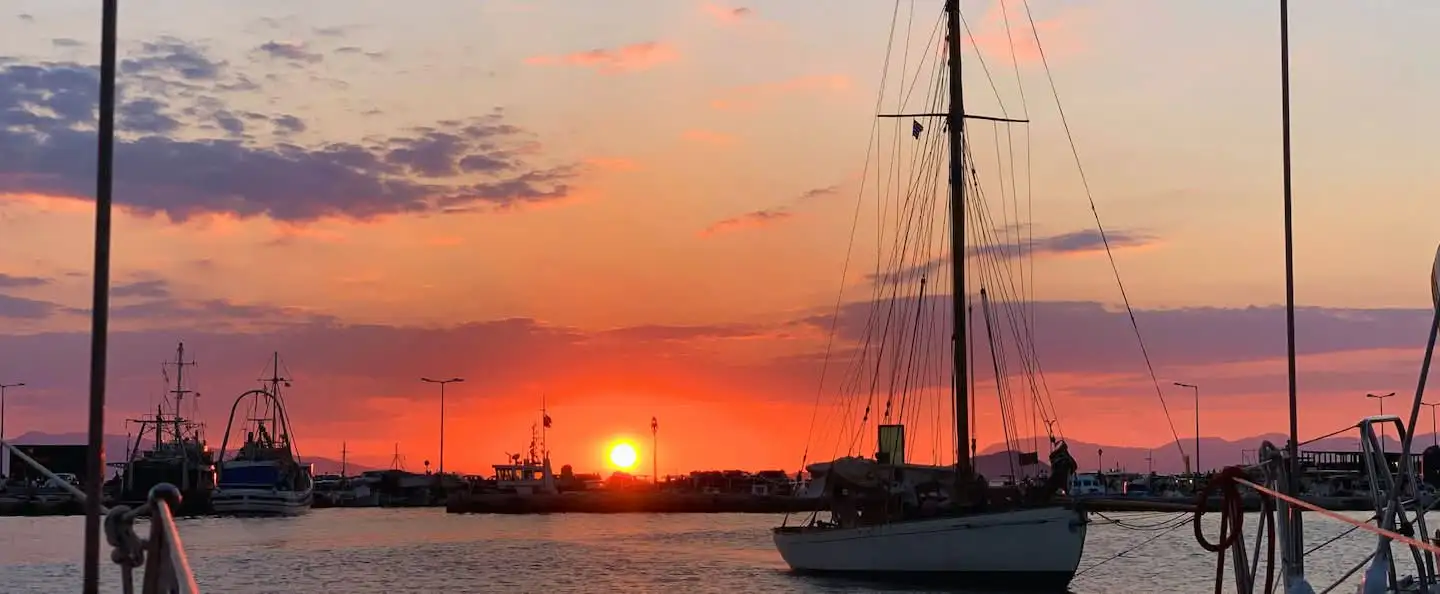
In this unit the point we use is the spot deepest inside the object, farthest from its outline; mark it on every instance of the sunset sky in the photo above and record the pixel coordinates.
(639, 208)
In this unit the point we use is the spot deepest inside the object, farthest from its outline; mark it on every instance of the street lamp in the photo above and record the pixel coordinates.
(1434, 439)
(5, 449)
(442, 414)
(1381, 398)
(1196, 389)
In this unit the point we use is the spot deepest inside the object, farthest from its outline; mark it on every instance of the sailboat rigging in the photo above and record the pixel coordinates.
(898, 520)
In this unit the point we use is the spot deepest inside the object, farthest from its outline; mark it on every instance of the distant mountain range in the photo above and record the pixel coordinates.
(993, 462)
(115, 446)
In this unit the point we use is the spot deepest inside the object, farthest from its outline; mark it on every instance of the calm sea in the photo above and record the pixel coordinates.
(427, 550)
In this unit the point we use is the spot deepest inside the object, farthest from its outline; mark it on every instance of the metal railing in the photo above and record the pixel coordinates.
(167, 570)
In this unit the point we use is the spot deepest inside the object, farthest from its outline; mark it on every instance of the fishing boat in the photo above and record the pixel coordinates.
(266, 476)
(178, 456)
(898, 521)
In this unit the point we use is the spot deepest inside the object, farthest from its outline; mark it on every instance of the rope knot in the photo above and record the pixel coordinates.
(129, 548)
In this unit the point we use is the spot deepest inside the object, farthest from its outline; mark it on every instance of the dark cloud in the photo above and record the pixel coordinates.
(768, 216)
(1076, 242)
(168, 61)
(814, 193)
(671, 333)
(66, 42)
(330, 31)
(293, 52)
(146, 116)
(232, 125)
(47, 114)
(8, 281)
(154, 288)
(1087, 240)
(339, 366)
(288, 124)
(758, 218)
(25, 309)
(1090, 338)
(353, 50)
(25, 17)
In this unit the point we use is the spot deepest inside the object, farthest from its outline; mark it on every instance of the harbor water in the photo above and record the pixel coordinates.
(426, 550)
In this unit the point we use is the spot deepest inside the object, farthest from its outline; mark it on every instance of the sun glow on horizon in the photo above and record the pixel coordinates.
(623, 456)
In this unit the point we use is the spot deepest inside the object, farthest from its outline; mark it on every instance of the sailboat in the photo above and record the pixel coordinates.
(266, 476)
(179, 456)
(908, 522)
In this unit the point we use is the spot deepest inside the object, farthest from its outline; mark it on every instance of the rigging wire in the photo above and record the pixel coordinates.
(1031, 353)
(1104, 238)
(849, 250)
(1026, 228)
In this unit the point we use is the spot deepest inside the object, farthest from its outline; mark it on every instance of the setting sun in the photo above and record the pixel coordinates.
(622, 455)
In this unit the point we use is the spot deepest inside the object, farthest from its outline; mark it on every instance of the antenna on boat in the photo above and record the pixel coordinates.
(179, 392)
(100, 297)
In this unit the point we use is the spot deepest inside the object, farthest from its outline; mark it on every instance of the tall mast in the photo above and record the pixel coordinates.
(1295, 555)
(275, 392)
(179, 392)
(955, 124)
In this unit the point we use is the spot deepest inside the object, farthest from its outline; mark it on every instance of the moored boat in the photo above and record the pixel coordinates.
(266, 476)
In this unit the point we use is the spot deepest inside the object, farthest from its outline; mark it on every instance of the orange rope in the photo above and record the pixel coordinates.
(1335, 516)
(1232, 520)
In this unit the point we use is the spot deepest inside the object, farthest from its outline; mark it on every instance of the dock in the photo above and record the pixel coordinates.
(620, 502)
(13, 506)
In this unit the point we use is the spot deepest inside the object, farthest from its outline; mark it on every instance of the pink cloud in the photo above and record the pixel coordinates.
(770, 216)
(628, 58)
(759, 218)
(1057, 34)
(751, 96)
(726, 15)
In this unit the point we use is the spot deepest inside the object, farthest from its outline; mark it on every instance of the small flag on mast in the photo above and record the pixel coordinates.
(547, 420)
(916, 128)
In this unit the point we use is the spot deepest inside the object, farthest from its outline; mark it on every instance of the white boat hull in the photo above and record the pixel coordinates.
(260, 502)
(1033, 548)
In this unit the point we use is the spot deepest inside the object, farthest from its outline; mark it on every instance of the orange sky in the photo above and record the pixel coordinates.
(653, 218)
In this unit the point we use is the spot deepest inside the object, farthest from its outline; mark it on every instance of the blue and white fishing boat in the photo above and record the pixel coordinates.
(266, 477)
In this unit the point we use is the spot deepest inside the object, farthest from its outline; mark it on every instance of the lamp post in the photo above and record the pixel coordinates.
(1434, 439)
(1381, 398)
(654, 451)
(442, 414)
(5, 450)
(1196, 389)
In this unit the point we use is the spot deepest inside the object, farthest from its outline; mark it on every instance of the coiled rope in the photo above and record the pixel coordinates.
(1232, 524)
